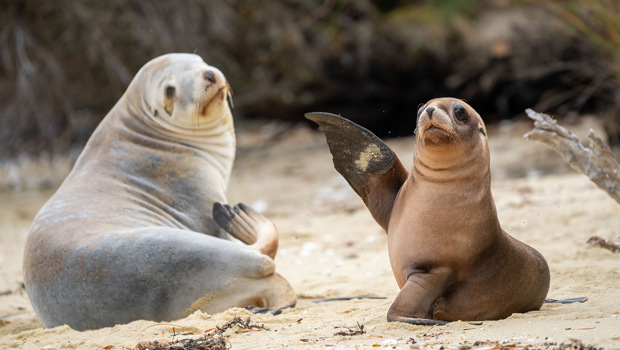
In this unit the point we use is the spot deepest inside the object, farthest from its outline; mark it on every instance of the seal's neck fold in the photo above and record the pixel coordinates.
(458, 164)
(213, 141)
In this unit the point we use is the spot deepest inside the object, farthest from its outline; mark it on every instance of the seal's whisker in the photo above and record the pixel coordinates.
(229, 94)
(455, 136)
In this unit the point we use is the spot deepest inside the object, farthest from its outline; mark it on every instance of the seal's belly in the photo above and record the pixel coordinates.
(437, 228)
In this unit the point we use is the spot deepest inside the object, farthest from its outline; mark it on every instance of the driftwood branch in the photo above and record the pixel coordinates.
(595, 161)
(596, 241)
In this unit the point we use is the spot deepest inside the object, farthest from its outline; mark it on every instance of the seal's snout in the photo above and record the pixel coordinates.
(209, 76)
(430, 110)
(213, 78)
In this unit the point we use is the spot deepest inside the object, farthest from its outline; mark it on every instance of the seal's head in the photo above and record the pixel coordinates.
(449, 133)
(446, 121)
(178, 100)
(180, 92)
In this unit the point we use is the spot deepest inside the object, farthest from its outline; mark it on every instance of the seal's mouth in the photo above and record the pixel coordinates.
(220, 95)
(436, 127)
(436, 132)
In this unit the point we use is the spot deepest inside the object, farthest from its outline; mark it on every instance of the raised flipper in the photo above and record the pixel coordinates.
(247, 225)
(369, 165)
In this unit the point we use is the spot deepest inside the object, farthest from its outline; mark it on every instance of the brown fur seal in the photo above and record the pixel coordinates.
(450, 257)
(132, 233)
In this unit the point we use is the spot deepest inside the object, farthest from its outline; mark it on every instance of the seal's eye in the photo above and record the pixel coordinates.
(170, 91)
(170, 99)
(460, 113)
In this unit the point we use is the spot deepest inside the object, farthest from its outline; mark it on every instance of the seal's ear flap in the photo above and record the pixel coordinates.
(371, 168)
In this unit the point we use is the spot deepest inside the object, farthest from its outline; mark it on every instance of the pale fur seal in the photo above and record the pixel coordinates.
(450, 257)
(130, 234)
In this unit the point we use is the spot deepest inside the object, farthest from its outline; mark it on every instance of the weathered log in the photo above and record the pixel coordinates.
(596, 161)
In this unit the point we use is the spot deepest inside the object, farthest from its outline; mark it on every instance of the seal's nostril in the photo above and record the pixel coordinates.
(430, 110)
(208, 75)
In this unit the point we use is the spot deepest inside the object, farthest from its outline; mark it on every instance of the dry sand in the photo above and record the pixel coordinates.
(331, 247)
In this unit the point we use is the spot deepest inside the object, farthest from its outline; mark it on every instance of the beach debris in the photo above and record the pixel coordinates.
(413, 344)
(211, 342)
(514, 344)
(596, 241)
(314, 340)
(244, 325)
(389, 342)
(174, 329)
(575, 344)
(352, 331)
(429, 334)
(346, 298)
(340, 347)
(213, 338)
(566, 301)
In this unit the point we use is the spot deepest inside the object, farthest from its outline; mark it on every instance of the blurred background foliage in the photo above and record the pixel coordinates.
(63, 64)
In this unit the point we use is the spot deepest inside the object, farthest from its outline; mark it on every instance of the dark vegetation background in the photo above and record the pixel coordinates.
(63, 64)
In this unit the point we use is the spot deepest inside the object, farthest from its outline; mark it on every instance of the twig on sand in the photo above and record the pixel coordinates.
(595, 161)
(566, 301)
(209, 342)
(213, 339)
(353, 331)
(596, 241)
(237, 321)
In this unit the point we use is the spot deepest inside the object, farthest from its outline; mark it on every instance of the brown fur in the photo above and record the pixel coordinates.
(449, 254)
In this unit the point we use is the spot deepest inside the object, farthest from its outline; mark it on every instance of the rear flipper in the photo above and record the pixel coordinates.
(247, 225)
(417, 300)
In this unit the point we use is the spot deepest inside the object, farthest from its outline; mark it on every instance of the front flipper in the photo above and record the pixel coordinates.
(417, 301)
(369, 165)
(247, 225)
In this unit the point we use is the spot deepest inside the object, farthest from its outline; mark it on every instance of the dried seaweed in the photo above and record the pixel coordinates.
(213, 339)
(352, 331)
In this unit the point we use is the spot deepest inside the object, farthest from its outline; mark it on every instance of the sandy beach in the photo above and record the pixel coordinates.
(331, 247)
